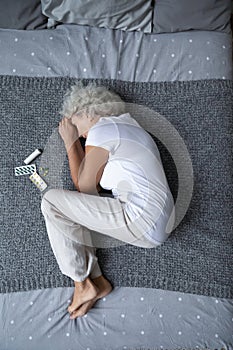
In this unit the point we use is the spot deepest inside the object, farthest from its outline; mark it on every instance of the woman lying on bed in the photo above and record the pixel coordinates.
(119, 156)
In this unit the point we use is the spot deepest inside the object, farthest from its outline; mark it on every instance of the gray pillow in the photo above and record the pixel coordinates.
(22, 14)
(116, 14)
(181, 15)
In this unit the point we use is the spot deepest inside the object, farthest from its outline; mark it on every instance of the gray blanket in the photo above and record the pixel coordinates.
(197, 258)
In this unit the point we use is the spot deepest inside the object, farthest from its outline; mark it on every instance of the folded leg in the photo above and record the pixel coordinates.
(75, 260)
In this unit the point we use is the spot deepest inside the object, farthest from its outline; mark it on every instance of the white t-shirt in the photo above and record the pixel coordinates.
(134, 172)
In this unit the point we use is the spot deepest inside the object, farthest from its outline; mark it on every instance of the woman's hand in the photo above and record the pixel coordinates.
(69, 133)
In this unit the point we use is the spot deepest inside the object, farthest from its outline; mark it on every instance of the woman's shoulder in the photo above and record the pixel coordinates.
(114, 118)
(112, 124)
(111, 120)
(125, 118)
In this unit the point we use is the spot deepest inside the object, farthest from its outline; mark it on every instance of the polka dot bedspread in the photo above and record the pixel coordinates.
(84, 52)
(128, 318)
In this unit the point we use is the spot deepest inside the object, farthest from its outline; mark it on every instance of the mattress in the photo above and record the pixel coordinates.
(128, 318)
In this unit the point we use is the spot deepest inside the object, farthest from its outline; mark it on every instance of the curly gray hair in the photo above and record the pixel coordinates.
(91, 100)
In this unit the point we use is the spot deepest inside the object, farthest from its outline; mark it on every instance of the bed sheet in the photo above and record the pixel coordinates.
(82, 51)
(128, 318)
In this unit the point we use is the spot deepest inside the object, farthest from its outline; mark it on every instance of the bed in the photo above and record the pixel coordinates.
(174, 60)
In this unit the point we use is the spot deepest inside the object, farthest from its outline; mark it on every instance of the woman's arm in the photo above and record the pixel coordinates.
(92, 169)
(75, 156)
(75, 152)
(86, 167)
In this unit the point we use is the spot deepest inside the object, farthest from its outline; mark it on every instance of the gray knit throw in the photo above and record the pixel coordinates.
(197, 257)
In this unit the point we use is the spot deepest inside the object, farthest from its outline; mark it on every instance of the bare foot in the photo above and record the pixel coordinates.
(104, 289)
(84, 308)
(103, 285)
(84, 291)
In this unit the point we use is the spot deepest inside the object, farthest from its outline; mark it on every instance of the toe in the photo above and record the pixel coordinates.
(72, 309)
(83, 309)
(77, 313)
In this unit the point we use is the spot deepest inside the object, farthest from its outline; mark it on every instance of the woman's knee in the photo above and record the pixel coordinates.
(45, 205)
(51, 194)
(47, 200)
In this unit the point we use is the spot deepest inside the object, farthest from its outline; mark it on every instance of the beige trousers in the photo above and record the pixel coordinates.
(71, 215)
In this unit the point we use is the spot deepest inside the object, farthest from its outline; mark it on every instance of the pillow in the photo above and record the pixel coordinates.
(116, 14)
(181, 15)
(22, 14)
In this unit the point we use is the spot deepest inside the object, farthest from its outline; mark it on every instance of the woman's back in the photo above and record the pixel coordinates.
(134, 171)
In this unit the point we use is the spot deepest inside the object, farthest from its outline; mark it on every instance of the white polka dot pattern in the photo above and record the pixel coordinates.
(124, 55)
(128, 316)
(159, 320)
